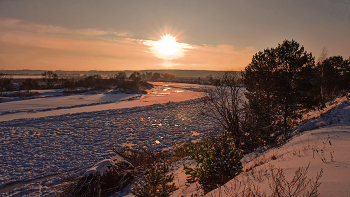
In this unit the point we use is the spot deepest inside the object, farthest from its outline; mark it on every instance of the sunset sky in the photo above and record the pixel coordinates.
(126, 34)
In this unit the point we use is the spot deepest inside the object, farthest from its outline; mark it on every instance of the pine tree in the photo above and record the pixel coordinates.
(218, 161)
(333, 77)
(278, 86)
(157, 183)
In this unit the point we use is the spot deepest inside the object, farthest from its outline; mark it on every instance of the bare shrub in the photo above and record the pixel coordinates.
(141, 158)
(104, 179)
(297, 186)
(156, 180)
(222, 105)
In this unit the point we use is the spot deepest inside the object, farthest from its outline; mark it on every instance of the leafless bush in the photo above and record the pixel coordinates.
(96, 184)
(222, 105)
(141, 158)
(320, 152)
(280, 186)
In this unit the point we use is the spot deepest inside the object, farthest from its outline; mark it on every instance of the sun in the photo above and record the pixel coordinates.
(167, 45)
(168, 49)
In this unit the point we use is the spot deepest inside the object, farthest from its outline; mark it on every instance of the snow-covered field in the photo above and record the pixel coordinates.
(70, 136)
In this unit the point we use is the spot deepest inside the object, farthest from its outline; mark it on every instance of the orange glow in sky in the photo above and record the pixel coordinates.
(157, 34)
(25, 45)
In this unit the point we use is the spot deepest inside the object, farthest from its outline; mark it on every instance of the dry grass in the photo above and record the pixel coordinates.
(260, 159)
(141, 158)
(279, 186)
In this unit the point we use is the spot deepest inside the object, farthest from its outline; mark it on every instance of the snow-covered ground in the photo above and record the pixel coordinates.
(322, 141)
(73, 136)
(77, 137)
(323, 144)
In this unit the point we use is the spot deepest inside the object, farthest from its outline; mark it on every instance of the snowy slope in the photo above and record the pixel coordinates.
(326, 148)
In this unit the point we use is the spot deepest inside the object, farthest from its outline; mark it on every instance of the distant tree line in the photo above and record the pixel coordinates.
(120, 81)
(131, 84)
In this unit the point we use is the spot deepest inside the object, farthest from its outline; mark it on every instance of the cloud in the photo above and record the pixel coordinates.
(340, 1)
(221, 57)
(20, 26)
(26, 45)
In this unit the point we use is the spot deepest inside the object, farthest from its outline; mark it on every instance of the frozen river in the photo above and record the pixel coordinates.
(77, 136)
(52, 103)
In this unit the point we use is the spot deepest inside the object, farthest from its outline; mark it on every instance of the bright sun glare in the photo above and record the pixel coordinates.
(167, 45)
(168, 49)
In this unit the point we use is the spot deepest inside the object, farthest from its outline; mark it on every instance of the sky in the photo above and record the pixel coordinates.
(127, 34)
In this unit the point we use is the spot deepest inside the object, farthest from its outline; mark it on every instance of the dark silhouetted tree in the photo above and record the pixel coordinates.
(294, 65)
(50, 78)
(148, 75)
(319, 75)
(333, 75)
(262, 110)
(222, 106)
(5, 83)
(119, 78)
(155, 76)
(135, 76)
(30, 84)
(278, 84)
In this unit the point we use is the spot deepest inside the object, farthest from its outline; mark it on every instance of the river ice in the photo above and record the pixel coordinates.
(37, 147)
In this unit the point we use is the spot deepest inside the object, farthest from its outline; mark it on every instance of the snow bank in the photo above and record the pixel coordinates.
(100, 168)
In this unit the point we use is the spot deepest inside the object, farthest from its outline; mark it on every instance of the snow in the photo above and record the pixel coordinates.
(54, 104)
(70, 136)
(100, 168)
(180, 177)
(325, 147)
(71, 140)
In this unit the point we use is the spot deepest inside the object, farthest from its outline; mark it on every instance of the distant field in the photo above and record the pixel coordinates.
(177, 73)
(26, 76)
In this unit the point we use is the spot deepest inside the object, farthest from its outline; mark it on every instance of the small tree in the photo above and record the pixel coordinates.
(135, 76)
(222, 105)
(333, 77)
(155, 76)
(30, 84)
(50, 78)
(218, 161)
(119, 78)
(148, 75)
(157, 183)
(5, 84)
(320, 75)
(93, 81)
